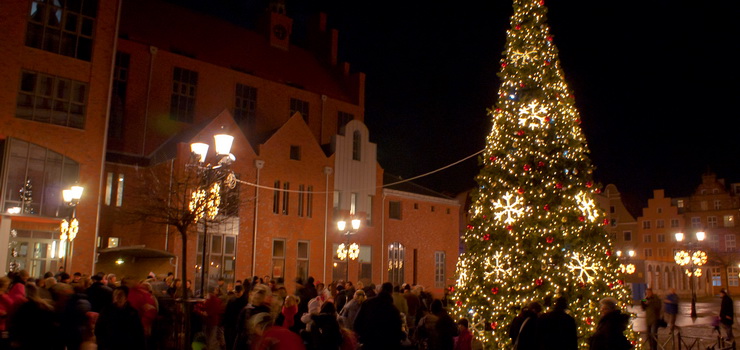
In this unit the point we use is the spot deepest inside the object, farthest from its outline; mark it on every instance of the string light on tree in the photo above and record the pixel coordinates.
(535, 230)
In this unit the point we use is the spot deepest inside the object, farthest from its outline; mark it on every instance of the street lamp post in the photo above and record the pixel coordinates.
(692, 259)
(206, 199)
(68, 228)
(347, 251)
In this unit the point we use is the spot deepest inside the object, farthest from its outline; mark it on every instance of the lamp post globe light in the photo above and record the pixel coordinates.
(691, 258)
(348, 251)
(206, 197)
(69, 226)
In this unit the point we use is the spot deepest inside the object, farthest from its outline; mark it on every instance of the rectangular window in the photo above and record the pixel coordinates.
(356, 145)
(714, 241)
(648, 252)
(119, 190)
(286, 197)
(394, 210)
(661, 238)
(661, 252)
(62, 27)
(365, 259)
(717, 204)
(276, 198)
(309, 202)
(339, 266)
(646, 224)
(108, 188)
(299, 106)
(336, 199)
(278, 258)
(729, 220)
(439, 269)
(647, 238)
(680, 203)
(118, 95)
(730, 243)
(369, 211)
(352, 203)
(301, 194)
(659, 223)
(716, 277)
(711, 221)
(53, 100)
(245, 106)
(295, 152)
(627, 236)
(695, 222)
(182, 102)
(732, 276)
(302, 260)
(674, 222)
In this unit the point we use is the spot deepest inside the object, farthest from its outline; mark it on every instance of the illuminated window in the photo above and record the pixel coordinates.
(119, 190)
(716, 277)
(396, 255)
(732, 276)
(729, 220)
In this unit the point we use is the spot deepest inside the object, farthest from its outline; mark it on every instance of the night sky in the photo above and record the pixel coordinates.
(655, 82)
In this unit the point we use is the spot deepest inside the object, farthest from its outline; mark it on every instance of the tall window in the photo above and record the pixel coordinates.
(356, 145)
(114, 189)
(717, 204)
(365, 260)
(394, 210)
(301, 194)
(286, 197)
(353, 203)
(51, 99)
(47, 171)
(276, 198)
(342, 119)
(716, 277)
(695, 222)
(659, 223)
(309, 202)
(182, 103)
(220, 252)
(299, 106)
(369, 211)
(711, 221)
(278, 258)
(648, 238)
(396, 255)
(732, 276)
(674, 222)
(646, 224)
(439, 269)
(302, 260)
(729, 220)
(730, 242)
(714, 241)
(118, 95)
(63, 27)
(245, 106)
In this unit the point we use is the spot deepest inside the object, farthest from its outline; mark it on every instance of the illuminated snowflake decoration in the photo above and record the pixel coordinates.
(523, 56)
(478, 327)
(508, 209)
(587, 206)
(583, 266)
(496, 266)
(533, 115)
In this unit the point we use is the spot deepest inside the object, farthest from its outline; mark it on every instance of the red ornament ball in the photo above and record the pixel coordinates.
(558, 185)
(546, 207)
(486, 237)
(520, 132)
(550, 239)
(458, 303)
(509, 227)
(538, 282)
(494, 325)
(527, 167)
(581, 218)
(608, 253)
(494, 290)
(521, 191)
(540, 164)
(518, 27)
(589, 184)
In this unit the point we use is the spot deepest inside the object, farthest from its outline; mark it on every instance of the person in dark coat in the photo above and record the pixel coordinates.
(98, 294)
(652, 306)
(231, 314)
(609, 334)
(32, 325)
(523, 329)
(557, 329)
(378, 323)
(325, 331)
(726, 315)
(119, 325)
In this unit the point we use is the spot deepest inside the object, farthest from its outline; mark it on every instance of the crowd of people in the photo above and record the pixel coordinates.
(59, 311)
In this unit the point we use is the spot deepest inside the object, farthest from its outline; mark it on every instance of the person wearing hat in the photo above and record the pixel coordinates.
(98, 293)
(726, 314)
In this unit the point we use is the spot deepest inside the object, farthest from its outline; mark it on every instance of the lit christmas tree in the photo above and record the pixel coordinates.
(535, 230)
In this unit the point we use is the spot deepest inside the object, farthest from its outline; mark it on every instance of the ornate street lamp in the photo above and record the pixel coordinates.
(348, 251)
(691, 259)
(626, 267)
(68, 228)
(206, 199)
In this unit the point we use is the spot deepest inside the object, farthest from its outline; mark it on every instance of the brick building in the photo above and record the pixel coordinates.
(99, 94)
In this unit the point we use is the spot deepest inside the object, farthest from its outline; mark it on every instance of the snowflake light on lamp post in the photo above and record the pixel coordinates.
(691, 259)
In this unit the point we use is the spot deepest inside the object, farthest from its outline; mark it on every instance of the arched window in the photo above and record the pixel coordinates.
(650, 278)
(396, 254)
(356, 145)
(41, 173)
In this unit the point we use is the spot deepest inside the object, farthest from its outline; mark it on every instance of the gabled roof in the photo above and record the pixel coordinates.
(217, 41)
(397, 183)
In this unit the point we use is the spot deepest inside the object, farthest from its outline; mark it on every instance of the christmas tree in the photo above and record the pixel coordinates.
(535, 230)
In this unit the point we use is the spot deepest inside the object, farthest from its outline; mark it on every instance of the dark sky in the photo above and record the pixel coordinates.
(655, 82)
